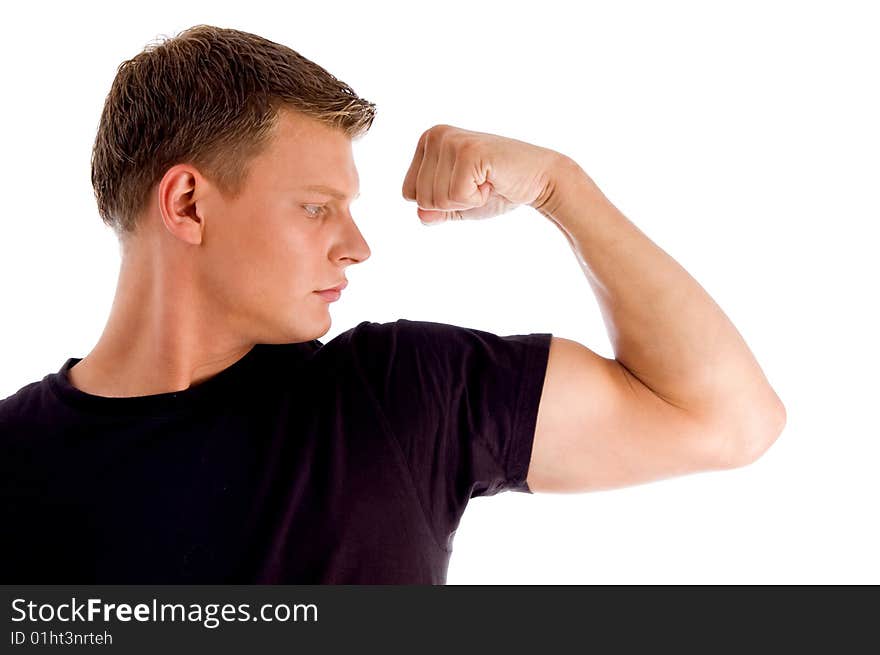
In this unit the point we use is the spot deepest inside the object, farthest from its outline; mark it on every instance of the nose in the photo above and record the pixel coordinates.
(354, 245)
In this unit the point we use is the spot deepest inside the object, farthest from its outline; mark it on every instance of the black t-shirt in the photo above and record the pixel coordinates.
(349, 462)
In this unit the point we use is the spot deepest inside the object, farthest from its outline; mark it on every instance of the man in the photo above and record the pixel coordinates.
(209, 436)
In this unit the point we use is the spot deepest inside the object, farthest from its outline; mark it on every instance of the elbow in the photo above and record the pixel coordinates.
(753, 441)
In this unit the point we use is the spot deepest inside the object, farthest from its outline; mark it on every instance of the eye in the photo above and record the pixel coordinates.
(314, 214)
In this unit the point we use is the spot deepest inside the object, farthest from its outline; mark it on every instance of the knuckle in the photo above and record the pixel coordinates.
(470, 147)
(437, 133)
(431, 137)
(409, 187)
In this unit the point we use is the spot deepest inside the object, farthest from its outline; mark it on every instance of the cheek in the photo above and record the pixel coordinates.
(300, 249)
(269, 256)
(287, 266)
(262, 242)
(237, 263)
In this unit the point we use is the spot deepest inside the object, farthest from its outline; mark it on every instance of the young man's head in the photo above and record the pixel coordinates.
(206, 149)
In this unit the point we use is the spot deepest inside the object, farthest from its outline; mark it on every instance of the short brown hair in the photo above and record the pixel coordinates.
(210, 97)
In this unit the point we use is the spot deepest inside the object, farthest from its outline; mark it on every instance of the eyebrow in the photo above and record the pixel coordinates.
(320, 188)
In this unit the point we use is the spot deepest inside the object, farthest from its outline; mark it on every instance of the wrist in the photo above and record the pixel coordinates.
(570, 195)
(556, 178)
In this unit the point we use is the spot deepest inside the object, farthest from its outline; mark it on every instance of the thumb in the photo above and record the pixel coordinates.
(485, 190)
(434, 217)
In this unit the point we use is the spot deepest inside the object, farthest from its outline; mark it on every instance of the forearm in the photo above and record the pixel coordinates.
(664, 327)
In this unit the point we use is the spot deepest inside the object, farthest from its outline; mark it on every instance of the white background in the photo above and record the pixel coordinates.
(742, 139)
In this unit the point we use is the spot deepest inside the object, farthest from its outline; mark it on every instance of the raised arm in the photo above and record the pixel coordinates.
(683, 393)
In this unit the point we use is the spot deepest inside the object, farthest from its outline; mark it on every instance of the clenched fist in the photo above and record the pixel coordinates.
(457, 174)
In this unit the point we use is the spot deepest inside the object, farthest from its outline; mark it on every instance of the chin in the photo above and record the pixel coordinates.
(324, 328)
(315, 329)
(296, 328)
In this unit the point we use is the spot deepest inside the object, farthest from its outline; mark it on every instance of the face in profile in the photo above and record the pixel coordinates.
(264, 254)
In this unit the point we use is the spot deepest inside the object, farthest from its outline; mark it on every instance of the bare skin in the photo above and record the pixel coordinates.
(205, 277)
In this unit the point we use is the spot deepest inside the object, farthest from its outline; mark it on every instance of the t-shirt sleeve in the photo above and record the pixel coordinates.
(459, 403)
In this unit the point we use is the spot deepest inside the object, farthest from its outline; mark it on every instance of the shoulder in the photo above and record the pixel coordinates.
(404, 332)
(406, 347)
(363, 339)
(375, 345)
(376, 351)
(27, 400)
(23, 415)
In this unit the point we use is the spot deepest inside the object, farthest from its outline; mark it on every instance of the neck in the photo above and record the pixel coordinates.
(161, 335)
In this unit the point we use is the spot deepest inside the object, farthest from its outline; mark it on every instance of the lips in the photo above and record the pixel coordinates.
(338, 287)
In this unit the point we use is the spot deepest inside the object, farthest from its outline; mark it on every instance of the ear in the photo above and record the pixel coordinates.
(179, 191)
